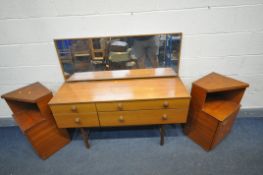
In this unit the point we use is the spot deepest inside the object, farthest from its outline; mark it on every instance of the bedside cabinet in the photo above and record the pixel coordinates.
(34, 117)
(214, 106)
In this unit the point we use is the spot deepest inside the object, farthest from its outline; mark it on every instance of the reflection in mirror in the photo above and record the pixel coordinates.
(119, 53)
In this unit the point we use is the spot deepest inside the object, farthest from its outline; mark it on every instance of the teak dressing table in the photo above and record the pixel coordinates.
(121, 98)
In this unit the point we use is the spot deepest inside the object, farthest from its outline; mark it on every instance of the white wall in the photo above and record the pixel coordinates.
(225, 36)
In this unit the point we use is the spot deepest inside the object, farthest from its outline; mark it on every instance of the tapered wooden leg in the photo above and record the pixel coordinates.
(85, 137)
(162, 133)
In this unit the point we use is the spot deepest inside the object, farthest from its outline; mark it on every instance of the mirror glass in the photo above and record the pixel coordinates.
(119, 53)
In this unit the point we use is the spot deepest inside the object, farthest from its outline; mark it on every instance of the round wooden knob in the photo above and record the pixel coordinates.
(165, 104)
(77, 120)
(121, 119)
(164, 117)
(120, 107)
(74, 108)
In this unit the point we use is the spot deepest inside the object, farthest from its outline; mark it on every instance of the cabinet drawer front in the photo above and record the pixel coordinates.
(207, 121)
(225, 128)
(140, 105)
(77, 120)
(201, 135)
(73, 108)
(143, 117)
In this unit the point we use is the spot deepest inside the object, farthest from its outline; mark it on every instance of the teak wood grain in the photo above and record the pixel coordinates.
(47, 139)
(31, 93)
(142, 104)
(73, 108)
(31, 112)
(220, 109)
(121, 98)
(213, 108)
(26, 122)
(120, 90)
(143, 117)
(77, 120)
(215, 82)
(122, 74)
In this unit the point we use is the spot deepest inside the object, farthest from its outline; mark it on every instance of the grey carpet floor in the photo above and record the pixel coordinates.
(133, 151)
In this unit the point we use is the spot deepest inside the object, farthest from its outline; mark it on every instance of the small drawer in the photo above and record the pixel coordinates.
(206, 121)
(143, 117)
(73, 108)
(201, 134)
(224, 128)
(77, 120)
(141, 105)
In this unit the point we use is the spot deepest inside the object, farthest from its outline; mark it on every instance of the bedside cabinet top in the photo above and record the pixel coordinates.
(31, 93)
(223, 83)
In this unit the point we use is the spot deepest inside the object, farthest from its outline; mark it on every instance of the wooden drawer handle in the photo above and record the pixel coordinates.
(121, 119)
(77, 120)
(164, 117)
(120, 106)
(74, 108)
(165, 104)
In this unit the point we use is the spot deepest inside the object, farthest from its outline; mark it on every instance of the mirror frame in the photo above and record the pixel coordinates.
(113, 36)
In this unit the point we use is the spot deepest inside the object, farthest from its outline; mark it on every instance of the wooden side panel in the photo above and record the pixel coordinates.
(237, 95)
(43, 104)
(46, 138)
(198, 97)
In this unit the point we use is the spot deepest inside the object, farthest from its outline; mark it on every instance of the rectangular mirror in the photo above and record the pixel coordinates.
(119, 53)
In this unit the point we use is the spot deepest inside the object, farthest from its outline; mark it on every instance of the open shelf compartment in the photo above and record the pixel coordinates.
(222, 104)
(29, 118)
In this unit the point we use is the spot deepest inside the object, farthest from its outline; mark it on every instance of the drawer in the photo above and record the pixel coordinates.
(73, 108)
(201, 135)
(207, 121)
(140, 105)
(77, 120)
(203, 129)
(225, 128)
(143, 117)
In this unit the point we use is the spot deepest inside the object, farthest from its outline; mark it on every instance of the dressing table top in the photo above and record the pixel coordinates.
(121, 89)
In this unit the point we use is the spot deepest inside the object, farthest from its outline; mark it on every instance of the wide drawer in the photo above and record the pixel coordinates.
(145, 104)
(143, 117)
(77, 120)
(73, 108)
